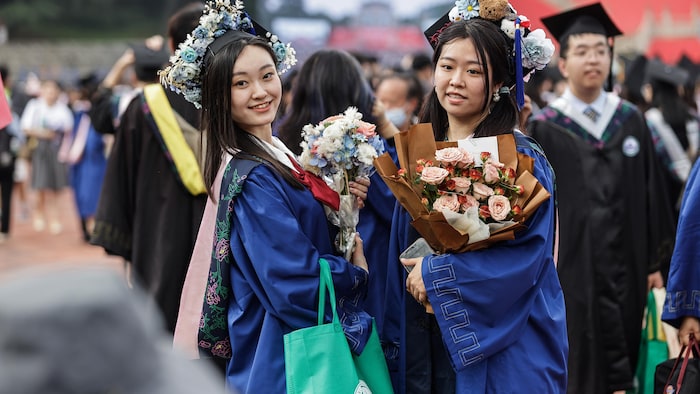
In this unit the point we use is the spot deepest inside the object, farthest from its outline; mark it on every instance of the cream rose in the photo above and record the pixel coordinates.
(469, 202)
(481, 191)
(447, 202)
(433, 175)
(462, 184)
(490, 173)
(450, 156)
(499, 206)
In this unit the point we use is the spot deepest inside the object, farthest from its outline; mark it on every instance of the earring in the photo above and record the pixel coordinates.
(496, 97)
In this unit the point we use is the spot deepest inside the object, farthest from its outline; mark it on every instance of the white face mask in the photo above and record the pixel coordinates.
(397, 116)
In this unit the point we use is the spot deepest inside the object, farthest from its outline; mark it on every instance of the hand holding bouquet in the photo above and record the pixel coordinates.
(340, 149)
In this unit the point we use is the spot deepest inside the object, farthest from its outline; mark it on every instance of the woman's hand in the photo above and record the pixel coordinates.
(689, 324)
(384, 127)
(358, 254)
(359, 189)
(414, 282)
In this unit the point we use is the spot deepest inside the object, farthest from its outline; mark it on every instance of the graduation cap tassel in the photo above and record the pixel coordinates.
(519, 83)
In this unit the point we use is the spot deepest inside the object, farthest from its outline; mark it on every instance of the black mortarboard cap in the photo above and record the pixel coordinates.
(587, 19)
(432, 32)
(660, 71)
(635, 72)
(691, 67)
(147, 61)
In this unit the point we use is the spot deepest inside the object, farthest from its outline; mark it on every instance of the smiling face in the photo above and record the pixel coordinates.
(256, 91)
(459, 82)
(587, 64)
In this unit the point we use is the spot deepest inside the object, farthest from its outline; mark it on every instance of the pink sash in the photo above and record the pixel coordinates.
(187, 326)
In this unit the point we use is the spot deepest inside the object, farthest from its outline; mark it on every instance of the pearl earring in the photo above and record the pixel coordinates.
(496, 97)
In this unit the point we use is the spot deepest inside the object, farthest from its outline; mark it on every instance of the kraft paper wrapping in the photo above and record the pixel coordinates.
(419, 143)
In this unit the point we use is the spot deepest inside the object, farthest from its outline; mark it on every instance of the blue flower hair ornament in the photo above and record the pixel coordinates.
(532, 50)
(184, 73)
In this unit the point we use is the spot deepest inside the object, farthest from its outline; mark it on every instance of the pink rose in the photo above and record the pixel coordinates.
(433, 175)
(457, 157)
(495, 163)
(366, 129)
(481, 191)
(490, 173)
(462, 184)
(499, 206)
(469, 202)
(447, 202)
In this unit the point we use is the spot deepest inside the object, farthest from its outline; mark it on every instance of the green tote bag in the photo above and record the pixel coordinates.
(318, 359)
(652, 350)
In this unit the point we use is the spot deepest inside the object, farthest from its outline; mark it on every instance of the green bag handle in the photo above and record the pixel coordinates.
(326, 284)
(652, 317)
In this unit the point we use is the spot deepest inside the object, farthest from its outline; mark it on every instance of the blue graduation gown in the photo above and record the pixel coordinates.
(374, 227)
(278, 234)
(87, 174)
(499, 319)
(684, 276)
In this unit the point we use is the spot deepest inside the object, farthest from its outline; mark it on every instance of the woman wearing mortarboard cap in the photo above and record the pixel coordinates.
(616, 227)
(498, 324)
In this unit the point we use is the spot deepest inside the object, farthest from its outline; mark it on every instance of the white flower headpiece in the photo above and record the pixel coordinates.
(184, 74)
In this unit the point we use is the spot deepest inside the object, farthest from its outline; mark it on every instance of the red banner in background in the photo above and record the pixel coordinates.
(5, 113)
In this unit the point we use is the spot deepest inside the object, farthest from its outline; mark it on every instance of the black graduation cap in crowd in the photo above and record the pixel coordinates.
(635, 72)
(147, 61)
(587, 19)
(691, 67)
(432, 32)
(660, 71)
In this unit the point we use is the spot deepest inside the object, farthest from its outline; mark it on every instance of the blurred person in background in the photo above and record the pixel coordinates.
(422, 66)
(153, 194)
(691, 89)
(11, 138)
(399, 97)
(84, 152)
(48, 120)
(137, 67)
(672, 120)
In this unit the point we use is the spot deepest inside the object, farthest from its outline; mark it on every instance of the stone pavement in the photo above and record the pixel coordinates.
(27, 248)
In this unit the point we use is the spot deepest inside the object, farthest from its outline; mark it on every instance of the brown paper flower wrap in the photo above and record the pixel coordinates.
(419, 143)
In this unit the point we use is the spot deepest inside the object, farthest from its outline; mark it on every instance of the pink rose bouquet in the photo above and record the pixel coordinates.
(473, 196)
(459, 202)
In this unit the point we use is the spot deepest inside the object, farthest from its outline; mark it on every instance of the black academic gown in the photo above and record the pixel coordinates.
(145, 214)
(615, 228)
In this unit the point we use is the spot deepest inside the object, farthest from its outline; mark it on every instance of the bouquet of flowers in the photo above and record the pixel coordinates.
(340, 149)
(476, 197)
(460, 200)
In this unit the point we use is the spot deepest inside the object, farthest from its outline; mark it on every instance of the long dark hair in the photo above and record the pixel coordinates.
(223, 135)
(674, 109)
(491, 44)
(328, 83)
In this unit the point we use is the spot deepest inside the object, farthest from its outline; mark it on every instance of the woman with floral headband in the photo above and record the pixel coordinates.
(271, 229)
(499, 319)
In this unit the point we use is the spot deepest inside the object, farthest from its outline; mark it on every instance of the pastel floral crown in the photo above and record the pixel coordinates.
(532, 50)
(184, 73)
